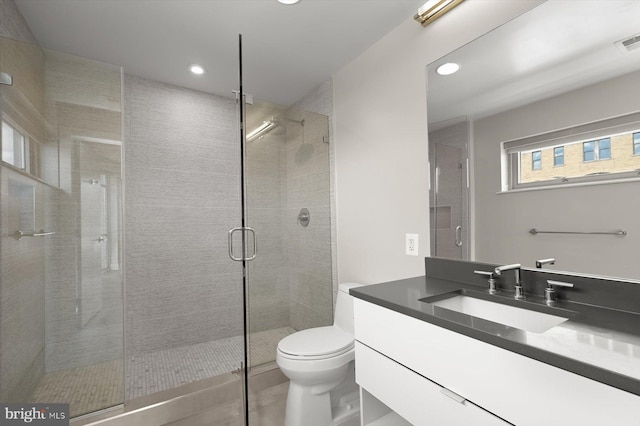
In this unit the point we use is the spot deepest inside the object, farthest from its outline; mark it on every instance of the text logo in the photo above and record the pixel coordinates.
(34, 414)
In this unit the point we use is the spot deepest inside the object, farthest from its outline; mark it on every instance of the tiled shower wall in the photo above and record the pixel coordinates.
(22, 204)
(13, 25)
(83, 102)
(288, 170)
(266, 200)
(320, 101)
(308, 248)
(181, 197)
(22, 286)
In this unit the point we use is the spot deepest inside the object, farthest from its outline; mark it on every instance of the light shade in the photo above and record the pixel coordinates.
(433, 9)
(288, 1)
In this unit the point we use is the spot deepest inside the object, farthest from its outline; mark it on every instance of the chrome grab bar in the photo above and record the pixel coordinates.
(42, 233)
(619, 232)
(244, 255)
(458, 236)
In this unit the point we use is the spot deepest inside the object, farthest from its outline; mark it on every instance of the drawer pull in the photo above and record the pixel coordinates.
(457, 398)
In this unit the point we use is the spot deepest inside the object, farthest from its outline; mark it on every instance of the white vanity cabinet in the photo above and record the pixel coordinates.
(417, 399)
(429, 375)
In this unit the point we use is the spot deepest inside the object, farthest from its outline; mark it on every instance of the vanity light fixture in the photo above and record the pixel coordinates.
(288, 2)
(433, 9)
(448, 68)
(196, 69)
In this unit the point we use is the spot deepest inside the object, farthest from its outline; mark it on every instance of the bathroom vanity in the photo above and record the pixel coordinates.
(423, 362)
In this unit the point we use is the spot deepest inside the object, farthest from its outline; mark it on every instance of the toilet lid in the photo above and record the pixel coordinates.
(316, 342)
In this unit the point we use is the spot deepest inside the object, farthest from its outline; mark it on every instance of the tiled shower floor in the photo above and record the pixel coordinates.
(98, 386)
(162, 370)
(85, 389)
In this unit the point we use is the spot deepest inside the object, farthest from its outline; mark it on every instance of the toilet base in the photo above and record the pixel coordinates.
(338, 407)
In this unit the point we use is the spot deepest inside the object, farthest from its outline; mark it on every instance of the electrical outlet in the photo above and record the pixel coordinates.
(412, 245)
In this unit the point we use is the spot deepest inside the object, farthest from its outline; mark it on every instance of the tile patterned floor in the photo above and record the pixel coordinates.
(85, 389)
(98, 386)
(161, 370)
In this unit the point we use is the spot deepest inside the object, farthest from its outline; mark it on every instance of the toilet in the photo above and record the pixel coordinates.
(319, 363)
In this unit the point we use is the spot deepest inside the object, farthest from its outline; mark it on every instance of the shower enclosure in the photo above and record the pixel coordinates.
(117, 197)
(449, 189)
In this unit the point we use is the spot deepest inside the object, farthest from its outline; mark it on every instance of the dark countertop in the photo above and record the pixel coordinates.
(602, 344)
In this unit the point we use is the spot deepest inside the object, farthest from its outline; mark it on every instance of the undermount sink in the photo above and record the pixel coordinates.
(512, 316)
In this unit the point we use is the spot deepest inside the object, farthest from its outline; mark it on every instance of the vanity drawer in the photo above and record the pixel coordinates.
(415, 398)
(512, 386)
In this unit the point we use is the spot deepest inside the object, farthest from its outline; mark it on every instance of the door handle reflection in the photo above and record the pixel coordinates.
(458, 236)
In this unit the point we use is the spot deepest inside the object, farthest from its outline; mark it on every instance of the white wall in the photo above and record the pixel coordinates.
(502, 220)
(381, 140)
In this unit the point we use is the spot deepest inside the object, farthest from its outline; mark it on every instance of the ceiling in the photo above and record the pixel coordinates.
(287, 50)
(560, 45)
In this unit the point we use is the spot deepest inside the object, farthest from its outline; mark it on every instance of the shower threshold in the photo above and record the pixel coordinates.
(217, 400)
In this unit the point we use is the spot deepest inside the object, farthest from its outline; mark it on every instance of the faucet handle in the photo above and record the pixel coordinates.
(550, 292)
(558, 283)
(540, 263)
(491, 279)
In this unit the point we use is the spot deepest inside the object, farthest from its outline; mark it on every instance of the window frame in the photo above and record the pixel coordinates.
(19, 160)
(597, 149)
(556, 156)
(536, 161)
(594, 131)
(601, 149)
(28, 147)
(636, 143)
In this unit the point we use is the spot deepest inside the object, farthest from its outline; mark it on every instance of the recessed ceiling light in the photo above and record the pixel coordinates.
(288, 1)
(448, 68)
(196, 69)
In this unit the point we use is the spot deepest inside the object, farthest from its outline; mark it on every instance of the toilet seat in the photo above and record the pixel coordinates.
(316, 343)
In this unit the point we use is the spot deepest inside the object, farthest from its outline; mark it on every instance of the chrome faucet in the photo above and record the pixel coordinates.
(514, 267)
(540, 263)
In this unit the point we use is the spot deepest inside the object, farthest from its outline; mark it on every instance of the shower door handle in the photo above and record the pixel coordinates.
(244, 254)
(255, 244)
(458, 236)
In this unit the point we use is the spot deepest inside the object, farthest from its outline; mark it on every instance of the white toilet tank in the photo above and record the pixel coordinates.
(343, 316)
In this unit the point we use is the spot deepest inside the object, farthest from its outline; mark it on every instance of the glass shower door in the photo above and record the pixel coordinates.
(71, 329)
(449, 192)
(66, 317)
(61, 338)
(288, 199)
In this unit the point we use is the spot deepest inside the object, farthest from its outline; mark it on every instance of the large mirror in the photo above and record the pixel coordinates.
(529, 95)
